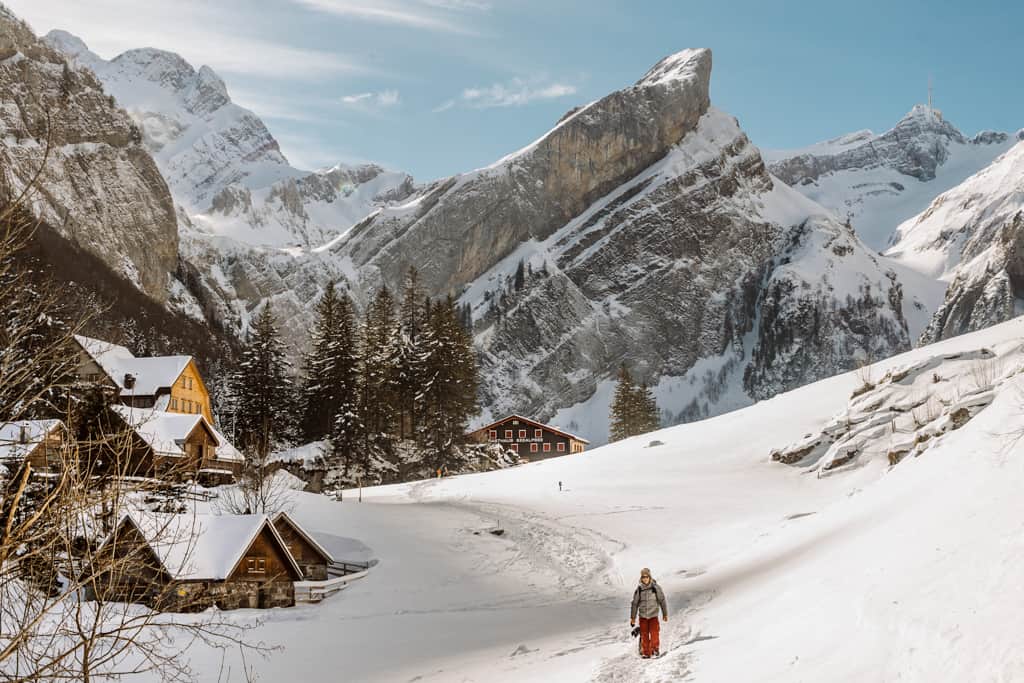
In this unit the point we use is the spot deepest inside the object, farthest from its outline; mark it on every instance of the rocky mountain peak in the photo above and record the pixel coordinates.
(535, 191)
(686, 65)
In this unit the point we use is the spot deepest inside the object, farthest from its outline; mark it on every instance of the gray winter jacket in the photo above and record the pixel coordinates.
(647, 600)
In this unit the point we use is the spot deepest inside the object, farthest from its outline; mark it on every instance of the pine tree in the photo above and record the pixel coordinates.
(450, 391)
(376, 373)
(262, 390)
(648, 414)
(410, 354)
(623, 410)
(318, 404)
(520, 278)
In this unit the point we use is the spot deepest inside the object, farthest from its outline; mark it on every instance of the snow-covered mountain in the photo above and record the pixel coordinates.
(649, 227)
(880, 181)
(651, 233)
(225, 170)
(973, 238)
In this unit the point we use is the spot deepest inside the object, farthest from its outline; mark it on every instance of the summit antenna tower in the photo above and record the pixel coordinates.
(929, 93)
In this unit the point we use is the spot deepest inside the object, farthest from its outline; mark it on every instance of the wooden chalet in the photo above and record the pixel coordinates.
(529, 438)
(312, 558)
(40, 442)
(188, 563)
(168, 383)
(173, 446)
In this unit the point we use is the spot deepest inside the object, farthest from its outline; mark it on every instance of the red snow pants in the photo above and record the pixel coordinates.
(649, 632)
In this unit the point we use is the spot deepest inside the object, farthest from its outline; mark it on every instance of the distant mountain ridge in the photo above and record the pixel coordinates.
(879, 181)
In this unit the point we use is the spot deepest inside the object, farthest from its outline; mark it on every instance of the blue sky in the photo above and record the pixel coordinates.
(434, 87)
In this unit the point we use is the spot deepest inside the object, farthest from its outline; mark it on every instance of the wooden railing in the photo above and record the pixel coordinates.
(315, 591)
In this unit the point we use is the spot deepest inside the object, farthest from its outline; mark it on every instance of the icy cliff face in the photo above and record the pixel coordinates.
(98, 186)
(973, 238)
(879, 181)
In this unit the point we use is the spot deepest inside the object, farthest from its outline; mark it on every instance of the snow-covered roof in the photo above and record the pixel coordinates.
(202, 547)
(19, 438)
(151, 374)
(284, 517)
(225, 449)
(164, 432)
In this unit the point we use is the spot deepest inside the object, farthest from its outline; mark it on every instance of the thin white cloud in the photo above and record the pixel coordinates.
(375, 101)
(444, 106)
(514, 93)
(202, 33)
(458, 4)
(397, 12)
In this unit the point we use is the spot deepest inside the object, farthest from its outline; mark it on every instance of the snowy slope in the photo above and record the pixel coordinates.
(773, 572)
(222, 164)
(879, 181)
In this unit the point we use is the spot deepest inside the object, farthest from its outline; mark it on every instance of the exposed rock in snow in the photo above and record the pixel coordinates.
(905, 412)
(879, 181)
(99, 188)
(972, 237)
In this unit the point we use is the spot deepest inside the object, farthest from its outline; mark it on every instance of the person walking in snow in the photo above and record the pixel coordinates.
(647, 599)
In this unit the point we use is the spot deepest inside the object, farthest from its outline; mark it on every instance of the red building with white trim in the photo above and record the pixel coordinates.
(529, 438)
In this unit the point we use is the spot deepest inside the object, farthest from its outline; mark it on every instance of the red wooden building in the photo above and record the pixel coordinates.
(529, 438)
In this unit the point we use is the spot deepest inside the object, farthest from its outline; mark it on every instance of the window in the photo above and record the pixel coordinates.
(189, 382)
(561, 447)
(515, 448)
(508, 433)
(522, 433)
(533, 447)
(493, 435)
(538, 433)
(174, 404)
(256, 565)
(547, 448)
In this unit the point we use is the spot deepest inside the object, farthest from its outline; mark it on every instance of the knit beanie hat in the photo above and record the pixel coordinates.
(645, 572)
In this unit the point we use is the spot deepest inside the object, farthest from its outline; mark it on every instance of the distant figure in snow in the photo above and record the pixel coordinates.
(559, 486)
(647, 599)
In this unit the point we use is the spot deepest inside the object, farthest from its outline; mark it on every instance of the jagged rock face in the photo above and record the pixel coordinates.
(972, 237)
(879, 181)
(458, 229)
(99, 187)
(663, 271)
(813, 327)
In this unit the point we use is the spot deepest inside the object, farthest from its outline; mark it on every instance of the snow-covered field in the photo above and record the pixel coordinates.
(773, 572)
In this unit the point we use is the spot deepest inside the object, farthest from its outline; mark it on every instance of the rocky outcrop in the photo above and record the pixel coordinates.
(97, 185)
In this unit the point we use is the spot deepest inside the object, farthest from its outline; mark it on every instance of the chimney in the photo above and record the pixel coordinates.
(23, 434)
(129, 380)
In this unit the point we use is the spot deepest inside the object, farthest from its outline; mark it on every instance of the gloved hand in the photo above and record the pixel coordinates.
(635, 632)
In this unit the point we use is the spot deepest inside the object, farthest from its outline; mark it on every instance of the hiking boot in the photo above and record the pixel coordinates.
(656, 653)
